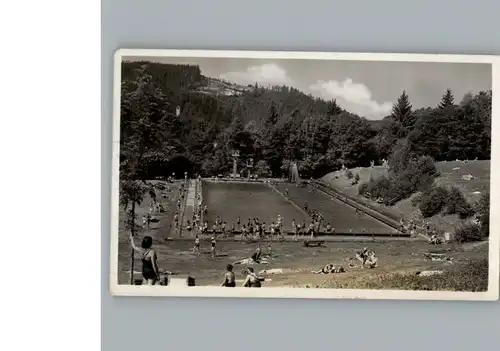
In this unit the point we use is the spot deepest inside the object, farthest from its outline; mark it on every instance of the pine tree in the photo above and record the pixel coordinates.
(402, 112)
(273, 115)
(333, 108)
(447, 99)
(402, 108)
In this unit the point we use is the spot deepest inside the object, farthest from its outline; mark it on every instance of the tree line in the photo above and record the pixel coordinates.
(276, 125)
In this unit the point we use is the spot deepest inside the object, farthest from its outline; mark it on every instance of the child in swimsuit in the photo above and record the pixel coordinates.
(229, 277)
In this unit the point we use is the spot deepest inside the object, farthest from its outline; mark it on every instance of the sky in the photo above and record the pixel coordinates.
(367, 88)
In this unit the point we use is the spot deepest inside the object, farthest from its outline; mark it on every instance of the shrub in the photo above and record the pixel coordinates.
(356, 178)
(457, 204)
(415, 201)
(433, 201)
(399, 159)
(483, 210)
(380, 187)
(408, 175)
(362, 189)
(349, 174)
(468, 232)
(262, 168)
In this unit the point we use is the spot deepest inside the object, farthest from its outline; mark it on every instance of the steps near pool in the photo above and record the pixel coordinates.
(189, 210)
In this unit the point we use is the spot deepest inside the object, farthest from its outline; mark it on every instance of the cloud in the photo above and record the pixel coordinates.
(354, 97)
(266, 74)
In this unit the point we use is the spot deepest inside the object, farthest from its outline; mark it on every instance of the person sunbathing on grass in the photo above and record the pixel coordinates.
(372, 260)
(256, 255)
(435, 240)
(330, 268)
(367, 258)
(252, 280)
(256, 258)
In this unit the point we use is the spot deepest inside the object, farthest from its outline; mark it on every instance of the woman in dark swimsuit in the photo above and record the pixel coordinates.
(229, 277)
(150, 272)
(256, 255)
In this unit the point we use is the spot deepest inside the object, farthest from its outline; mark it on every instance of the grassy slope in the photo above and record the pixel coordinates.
(448, 177)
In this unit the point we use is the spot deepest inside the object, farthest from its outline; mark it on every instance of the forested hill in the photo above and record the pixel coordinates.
(184, 85)
(275, 125)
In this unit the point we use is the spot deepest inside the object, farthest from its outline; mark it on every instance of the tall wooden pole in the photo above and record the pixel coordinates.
(132, 253)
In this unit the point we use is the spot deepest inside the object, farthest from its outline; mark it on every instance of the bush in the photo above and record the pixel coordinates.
(483, 210)
(362, 189)
(349, 174)
(415, 201)
(457, 204)
(262, 169)
(380, 187)
(417, 175)
(433, 201)
(356, 178)
(468, 232)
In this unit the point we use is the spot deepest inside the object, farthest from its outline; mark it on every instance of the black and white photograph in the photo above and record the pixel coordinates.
(305, 175)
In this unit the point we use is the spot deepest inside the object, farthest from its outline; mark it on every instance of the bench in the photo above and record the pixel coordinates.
(315, 243)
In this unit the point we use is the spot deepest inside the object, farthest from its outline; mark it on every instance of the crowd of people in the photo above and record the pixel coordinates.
(251, 229)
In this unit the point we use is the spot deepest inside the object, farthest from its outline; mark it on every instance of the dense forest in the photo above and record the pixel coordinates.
(274, 125)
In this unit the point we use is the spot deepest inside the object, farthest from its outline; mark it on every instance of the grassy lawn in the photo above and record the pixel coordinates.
(398, 260)
(404, 209)
(398, 263)
(158, 231)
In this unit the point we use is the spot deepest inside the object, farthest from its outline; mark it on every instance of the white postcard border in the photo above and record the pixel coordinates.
(492, 294)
